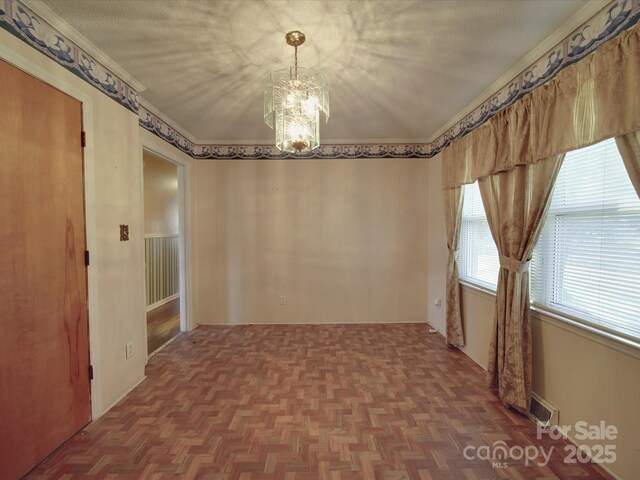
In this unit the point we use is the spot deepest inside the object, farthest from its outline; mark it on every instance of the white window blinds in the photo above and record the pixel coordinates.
(478, 257)
(587, 260)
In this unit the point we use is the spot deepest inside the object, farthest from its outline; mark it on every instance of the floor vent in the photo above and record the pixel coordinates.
(542, 413)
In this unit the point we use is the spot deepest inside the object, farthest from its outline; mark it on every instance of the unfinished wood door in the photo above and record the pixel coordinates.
(44, 353)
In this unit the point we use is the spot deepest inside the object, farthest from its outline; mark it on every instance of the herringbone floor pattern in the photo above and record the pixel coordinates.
(334, 402)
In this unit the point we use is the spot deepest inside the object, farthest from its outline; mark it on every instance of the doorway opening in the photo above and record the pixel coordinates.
(162, 250)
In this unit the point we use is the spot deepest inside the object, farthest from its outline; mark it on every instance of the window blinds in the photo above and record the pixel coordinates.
(587, 260)
(478, 256)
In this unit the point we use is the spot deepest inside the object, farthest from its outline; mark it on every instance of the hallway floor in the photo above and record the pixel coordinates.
(163, 323)
(331, 402)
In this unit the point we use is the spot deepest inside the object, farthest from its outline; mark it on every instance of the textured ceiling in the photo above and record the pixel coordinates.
(398, 70)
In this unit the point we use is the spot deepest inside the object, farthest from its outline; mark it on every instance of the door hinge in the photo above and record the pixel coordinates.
(90, 372)
(83, 139)
(86, 257)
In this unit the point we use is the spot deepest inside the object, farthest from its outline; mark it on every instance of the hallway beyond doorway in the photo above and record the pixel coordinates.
(163, 323)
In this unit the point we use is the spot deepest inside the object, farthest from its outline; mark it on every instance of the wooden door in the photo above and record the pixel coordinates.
(44, 353)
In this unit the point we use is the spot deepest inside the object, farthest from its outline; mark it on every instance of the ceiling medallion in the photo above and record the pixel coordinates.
(293, 100)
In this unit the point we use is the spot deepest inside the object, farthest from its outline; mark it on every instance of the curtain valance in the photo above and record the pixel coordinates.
(593, 99)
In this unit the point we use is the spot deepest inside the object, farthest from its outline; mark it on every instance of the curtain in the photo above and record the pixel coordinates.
(516, 155)
(453, 198)
(589, 101)
(516, 202)
(629, 147)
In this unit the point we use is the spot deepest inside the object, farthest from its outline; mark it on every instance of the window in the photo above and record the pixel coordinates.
(478, 257)
(586, 264)
(587, 260)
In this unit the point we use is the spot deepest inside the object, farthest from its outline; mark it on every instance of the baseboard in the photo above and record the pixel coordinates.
(417, 322)
(162, 302)
(600, 465)
(162, 346)
(120, 398)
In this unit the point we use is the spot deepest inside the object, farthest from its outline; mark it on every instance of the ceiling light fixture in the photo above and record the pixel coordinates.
(293, 100)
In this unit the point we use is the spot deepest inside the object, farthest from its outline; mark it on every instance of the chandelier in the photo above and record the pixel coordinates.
(293, 100)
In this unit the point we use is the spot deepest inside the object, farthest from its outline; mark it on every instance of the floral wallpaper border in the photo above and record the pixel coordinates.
(614, 18)
(23, 23)
(29, 27)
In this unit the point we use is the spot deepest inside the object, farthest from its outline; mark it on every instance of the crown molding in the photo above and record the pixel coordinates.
(591, 8)
(56, 21)
(166, 131)
(331, 141)
(144, 103)
(22, 22)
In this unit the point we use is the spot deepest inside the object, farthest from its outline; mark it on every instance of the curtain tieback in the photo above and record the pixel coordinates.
(513, 265)
(452, 251)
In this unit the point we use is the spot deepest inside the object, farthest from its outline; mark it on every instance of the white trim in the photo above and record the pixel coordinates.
(270, 142)
(184, 257)
(610, 340)
(478, 289)
(144, 103)
(62, 26)
(161, 235)
(55, 81)
(169, 153)
(437, 330)
(284, 324)
(572, 325)
(121, 397)
(164, 301)
(569, 437)
(579, 18)
(161, 347)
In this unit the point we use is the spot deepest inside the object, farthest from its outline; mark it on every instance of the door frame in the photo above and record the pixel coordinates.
(166, 152)
(45, 76)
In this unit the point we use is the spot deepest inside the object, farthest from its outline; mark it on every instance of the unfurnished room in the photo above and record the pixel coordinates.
(320, 239)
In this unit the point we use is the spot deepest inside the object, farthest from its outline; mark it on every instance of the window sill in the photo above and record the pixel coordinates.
(479, 289)
(618, 343)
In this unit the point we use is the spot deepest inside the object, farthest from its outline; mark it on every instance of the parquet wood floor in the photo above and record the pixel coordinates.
(331, 402)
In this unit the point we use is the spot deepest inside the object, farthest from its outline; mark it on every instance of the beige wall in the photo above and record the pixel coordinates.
(343, 240)
(586, 377)
(160, 196)
(114, 197)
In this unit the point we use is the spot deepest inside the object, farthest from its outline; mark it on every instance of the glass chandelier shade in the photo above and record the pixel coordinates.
(293, 100)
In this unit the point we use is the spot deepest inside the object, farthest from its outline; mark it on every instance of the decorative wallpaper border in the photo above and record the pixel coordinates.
(617, 16)
(150, 121)
(160, 128)
(29, 27)
(325, 151)
(23, 23)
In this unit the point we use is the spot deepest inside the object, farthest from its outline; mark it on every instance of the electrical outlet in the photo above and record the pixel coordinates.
(129, 349)
(283, 300)
(437, 302)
